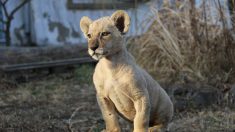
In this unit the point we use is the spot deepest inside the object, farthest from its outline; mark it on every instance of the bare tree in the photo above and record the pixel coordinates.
(9, 17)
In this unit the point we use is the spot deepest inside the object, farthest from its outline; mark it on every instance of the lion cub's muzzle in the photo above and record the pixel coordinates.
(97, 53)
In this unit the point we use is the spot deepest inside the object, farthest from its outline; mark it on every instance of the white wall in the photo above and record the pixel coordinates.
(50, 15)
(51, 23)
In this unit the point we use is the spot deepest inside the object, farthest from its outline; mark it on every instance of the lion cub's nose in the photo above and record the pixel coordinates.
(94, 47)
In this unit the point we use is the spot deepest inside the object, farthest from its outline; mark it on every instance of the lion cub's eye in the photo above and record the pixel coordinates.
(89, 35)
(105, 33)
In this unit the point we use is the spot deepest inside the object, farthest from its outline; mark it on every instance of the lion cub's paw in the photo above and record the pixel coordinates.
(114, 130)
(140, 130)
(156, 128)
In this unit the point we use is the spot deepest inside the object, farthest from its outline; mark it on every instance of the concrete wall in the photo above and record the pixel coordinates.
(54, 24)
(49, 22)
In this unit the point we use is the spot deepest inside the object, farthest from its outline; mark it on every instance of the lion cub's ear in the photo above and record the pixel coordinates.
(121, 20)
(84, 24)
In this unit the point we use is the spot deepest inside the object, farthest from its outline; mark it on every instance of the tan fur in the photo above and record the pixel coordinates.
(123, 88)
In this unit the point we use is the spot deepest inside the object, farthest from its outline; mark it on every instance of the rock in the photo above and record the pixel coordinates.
(193, 96)
(205, 96)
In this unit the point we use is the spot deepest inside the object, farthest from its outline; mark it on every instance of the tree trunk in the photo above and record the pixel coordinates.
(8, 33)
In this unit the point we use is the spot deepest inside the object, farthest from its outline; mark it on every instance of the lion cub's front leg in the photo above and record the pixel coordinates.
(141, 120)
(109, 114)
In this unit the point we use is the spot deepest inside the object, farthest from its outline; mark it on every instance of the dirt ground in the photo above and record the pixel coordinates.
(66, 102)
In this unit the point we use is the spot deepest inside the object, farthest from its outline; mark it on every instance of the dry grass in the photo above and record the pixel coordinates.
(50, 103)
(205, 121)
(65, 103)
(188, 44)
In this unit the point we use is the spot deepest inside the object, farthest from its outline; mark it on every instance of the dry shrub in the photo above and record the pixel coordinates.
(187, 44)
(204, 121)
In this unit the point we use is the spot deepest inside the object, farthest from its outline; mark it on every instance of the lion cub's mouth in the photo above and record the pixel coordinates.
(97, 54)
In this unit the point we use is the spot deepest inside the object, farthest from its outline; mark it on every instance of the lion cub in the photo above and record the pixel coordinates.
(123, 88)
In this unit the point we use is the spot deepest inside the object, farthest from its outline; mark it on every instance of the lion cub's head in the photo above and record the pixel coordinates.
(105, 35)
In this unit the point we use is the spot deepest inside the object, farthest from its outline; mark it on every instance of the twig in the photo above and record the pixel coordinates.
(70, 123)
(18, 7)
(3, 4)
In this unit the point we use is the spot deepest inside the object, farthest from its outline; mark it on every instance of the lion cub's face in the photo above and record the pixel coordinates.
(105, 34)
